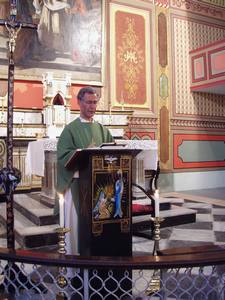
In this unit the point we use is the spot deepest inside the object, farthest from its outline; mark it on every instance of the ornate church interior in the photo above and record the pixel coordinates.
(158, 67)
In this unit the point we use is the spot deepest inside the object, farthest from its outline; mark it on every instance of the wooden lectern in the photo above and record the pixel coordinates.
(105, 200)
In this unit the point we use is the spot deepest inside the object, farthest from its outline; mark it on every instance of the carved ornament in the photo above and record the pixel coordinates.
(197, 124)
(195, 6)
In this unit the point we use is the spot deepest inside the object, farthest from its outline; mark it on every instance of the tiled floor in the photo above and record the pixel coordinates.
(209, 227)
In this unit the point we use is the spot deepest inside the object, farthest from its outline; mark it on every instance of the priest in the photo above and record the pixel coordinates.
(81, 133)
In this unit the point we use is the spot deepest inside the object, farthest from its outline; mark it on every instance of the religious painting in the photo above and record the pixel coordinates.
(110, 196)
(111, 191)
(131, 77)
(68, 38)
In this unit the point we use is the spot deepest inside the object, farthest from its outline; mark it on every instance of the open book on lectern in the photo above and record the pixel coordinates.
(80, 154)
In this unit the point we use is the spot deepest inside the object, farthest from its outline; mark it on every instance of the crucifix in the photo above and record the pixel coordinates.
(13, 27)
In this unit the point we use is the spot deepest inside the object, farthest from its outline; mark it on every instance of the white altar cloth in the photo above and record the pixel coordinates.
(35, 156)
(149, 153)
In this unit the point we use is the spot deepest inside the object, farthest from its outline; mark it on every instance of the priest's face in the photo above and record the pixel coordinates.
(88, 106)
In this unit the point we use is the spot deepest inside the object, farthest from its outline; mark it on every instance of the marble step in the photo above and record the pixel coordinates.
(29, 235)
(42, 198)
(177, 215)
(34, 210)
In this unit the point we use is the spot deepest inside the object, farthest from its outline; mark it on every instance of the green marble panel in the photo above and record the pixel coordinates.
(163, 86)
(202, 151)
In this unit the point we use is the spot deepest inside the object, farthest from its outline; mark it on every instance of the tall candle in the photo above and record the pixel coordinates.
(156, 197)
(61, 210)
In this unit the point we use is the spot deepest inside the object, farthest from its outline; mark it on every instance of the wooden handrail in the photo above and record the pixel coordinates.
(191, 259)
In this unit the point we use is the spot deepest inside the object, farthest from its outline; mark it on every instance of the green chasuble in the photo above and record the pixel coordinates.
(77, 135)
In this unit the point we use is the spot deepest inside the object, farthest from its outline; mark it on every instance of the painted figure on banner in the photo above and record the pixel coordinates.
(119, 186)
(108, 202)
(101, 210)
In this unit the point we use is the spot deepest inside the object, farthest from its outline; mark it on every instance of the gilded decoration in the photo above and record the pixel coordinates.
(125, 162)
(131, 59)
(97, 163)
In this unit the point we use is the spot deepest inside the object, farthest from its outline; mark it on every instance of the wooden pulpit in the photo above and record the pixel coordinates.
(105, 200)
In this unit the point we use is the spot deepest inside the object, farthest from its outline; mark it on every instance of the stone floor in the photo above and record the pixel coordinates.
(209, 227)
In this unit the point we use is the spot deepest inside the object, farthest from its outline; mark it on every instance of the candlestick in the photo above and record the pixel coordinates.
(156, 233)
(62, 278)
(61, 210)
(156, 197)
(155, 282)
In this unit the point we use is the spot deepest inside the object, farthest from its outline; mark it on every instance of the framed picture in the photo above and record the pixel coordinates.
(131, 77)
(69, 38)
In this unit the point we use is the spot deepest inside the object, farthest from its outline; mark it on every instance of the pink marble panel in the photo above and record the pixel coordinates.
(199, 72)
(216, 59)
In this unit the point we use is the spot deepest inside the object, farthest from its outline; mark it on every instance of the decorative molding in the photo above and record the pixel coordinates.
(200, 161)
(142, 121)
(220, 3)
(139, 135)
(197, 123)
(200, 8)
(162, 3)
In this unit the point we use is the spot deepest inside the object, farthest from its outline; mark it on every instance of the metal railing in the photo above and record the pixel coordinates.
(31, 275)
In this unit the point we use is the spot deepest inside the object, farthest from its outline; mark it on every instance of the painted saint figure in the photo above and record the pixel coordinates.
(99, 204)
(118, 195)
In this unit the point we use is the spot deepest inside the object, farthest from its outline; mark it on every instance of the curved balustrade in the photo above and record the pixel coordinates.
(192, 275)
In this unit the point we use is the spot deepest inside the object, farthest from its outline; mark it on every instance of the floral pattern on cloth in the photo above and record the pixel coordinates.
(9, 179)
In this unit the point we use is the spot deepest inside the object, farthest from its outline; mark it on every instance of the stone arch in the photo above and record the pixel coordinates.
(58, 100)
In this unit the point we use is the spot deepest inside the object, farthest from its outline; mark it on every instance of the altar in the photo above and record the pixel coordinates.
(41, 161)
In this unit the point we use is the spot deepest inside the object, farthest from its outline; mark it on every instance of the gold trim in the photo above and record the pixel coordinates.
(145, 14)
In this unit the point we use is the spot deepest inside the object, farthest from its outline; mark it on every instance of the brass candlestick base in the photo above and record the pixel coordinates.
(61, 279)
(154, 285)
(156, 233)
(61, 243)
